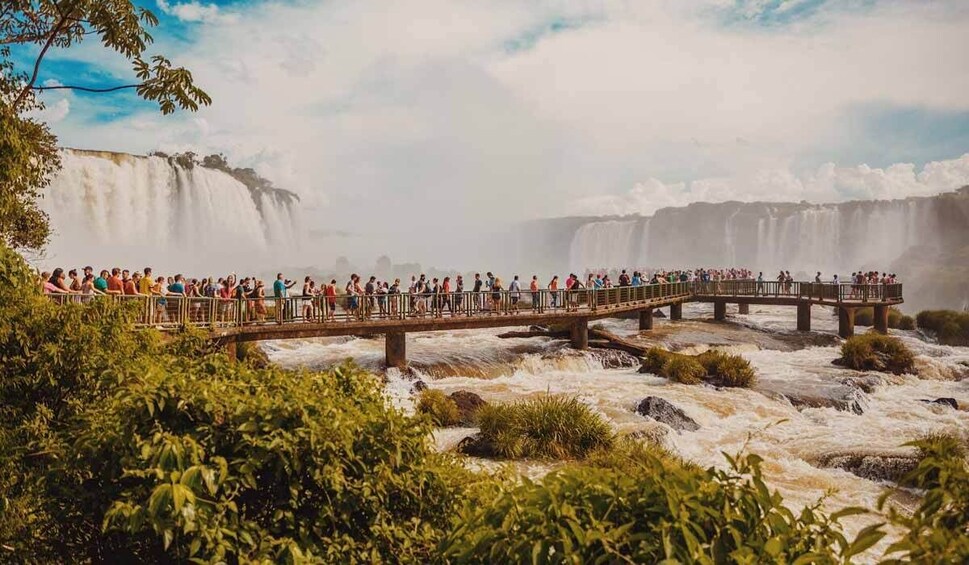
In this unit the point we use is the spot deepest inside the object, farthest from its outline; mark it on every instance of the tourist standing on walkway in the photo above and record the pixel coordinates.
(515, 291)
(553, 286)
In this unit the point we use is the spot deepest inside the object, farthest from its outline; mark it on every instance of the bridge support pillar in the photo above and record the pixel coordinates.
(881, 319)
(804, 317)
(846, 322)
(676, 311)
(743, 308)
(580, 334)
(395, 349)
(646, 319)
(719, 310)
(232, 350)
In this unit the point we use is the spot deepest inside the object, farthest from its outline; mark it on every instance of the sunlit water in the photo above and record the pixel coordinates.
(788, 364)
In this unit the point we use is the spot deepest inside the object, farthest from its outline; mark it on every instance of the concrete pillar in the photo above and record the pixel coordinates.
(719, 310)
(395, 350)
(846, 322)
(646, 319)
(804, 317)
(881, 319)
(580, 334)
(743, 308)
(676, 311)
(232, 350)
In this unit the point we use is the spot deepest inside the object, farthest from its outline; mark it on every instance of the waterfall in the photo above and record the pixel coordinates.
(112, 209)
(606, 243)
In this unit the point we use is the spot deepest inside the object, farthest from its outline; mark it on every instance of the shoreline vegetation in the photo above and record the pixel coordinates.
(118, 445)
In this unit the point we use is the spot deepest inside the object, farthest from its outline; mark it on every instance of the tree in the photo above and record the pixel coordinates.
(28, 149)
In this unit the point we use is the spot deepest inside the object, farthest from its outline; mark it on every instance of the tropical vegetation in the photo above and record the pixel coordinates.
(948, 326)
(877, 352)
(715, 367)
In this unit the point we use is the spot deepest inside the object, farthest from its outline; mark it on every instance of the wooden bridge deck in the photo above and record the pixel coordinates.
(256, 319)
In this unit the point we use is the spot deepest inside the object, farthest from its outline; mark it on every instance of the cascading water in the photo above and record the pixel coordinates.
(112, 209)
(603, 244)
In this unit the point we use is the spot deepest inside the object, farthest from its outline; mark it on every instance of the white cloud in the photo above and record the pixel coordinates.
(439, 118)
(194, 11)
(53, 113)
(829, 183)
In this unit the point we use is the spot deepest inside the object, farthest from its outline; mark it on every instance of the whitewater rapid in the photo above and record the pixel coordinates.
(791, 440)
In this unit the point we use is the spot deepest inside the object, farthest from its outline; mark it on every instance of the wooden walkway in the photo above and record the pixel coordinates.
(394, 315)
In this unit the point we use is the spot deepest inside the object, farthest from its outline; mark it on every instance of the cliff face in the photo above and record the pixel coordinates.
(925, 240)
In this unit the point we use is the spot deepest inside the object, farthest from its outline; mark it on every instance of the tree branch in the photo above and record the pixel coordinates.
(85, 88)
(65, 18)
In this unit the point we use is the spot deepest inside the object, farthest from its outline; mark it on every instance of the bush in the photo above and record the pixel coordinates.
(876, 352)
(906, 322)
(550, 427)
(733, 371)
(647, 508)
(442, 411)
(948, 326)
(250, 352)
(683, 369)
(713, 366)
(936, 531)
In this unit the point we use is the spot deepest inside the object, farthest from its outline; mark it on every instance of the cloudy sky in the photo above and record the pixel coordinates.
(445, 115)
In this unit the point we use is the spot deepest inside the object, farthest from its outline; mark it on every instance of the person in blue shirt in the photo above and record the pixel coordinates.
(281, 286)
(637, 279)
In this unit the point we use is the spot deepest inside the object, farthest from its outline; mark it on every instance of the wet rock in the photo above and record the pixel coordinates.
(665, 412)
(844, 398)
(655, 434)
(468, 403)
(614, 358)
(474, 446)
(867, 383)
(418, 386)
(950, 402)
(875, 466)
(657, 313)
(538, 328)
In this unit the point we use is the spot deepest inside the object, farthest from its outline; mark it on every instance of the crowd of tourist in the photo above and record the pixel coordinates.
(422, 295)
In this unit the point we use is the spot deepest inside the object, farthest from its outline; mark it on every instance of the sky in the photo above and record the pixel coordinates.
(420, 120)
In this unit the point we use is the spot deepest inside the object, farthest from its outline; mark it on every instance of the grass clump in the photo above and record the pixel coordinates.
(896, 319)
(549, 427)
(712, 366)
(442, 411)
(683, 369)
(876, 352)
(948, 326)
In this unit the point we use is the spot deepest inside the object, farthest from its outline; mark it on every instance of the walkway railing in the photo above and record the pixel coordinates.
(841, 292)
(173, 311)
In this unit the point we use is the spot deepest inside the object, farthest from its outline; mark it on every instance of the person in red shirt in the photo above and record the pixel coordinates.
(533, 286)
(115, 284)
(330, 293)
(131, 286)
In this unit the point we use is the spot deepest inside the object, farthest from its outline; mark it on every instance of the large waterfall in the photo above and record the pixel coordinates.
(114, 209)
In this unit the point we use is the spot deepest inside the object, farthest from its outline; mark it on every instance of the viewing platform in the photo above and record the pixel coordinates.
(231, 321)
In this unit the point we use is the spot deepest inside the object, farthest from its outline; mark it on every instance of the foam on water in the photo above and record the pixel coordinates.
(789, 439)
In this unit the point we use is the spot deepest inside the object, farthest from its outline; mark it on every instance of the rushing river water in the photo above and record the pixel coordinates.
(790, 366)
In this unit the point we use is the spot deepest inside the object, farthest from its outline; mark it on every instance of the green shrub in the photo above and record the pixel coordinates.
(549, 427)
(948, 326)
(733, 371)
(250, 352)
(906, 322)
(866, 317)
(683, 369)
(647, 509)
(655, 359)
(442, 411)
(936, 531)
(876, 352)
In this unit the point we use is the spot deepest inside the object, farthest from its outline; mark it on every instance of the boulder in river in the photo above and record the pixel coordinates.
(474, 446)
(418, 387)
(614, 358)
(657, 313)
(867, 383)
(468, 403)
(844, 398)
(951, 402)
(872, 465)
(665, 412)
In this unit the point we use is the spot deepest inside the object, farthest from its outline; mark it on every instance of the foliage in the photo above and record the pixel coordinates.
(938, 530)
(250, 352)
(647, 508)
(118, 445)
(712, 366)
(877, 352)
(28, 150)
(683, 369)
(553, 427)
(949, 326)
(441, 410)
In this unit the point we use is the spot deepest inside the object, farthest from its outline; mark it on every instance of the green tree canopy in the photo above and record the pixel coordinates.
(28, 149)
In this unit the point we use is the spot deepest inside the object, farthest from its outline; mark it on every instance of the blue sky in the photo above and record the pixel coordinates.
(589, 101)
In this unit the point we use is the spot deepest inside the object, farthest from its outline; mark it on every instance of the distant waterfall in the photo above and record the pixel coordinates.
(825, 237)
(111, 209)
